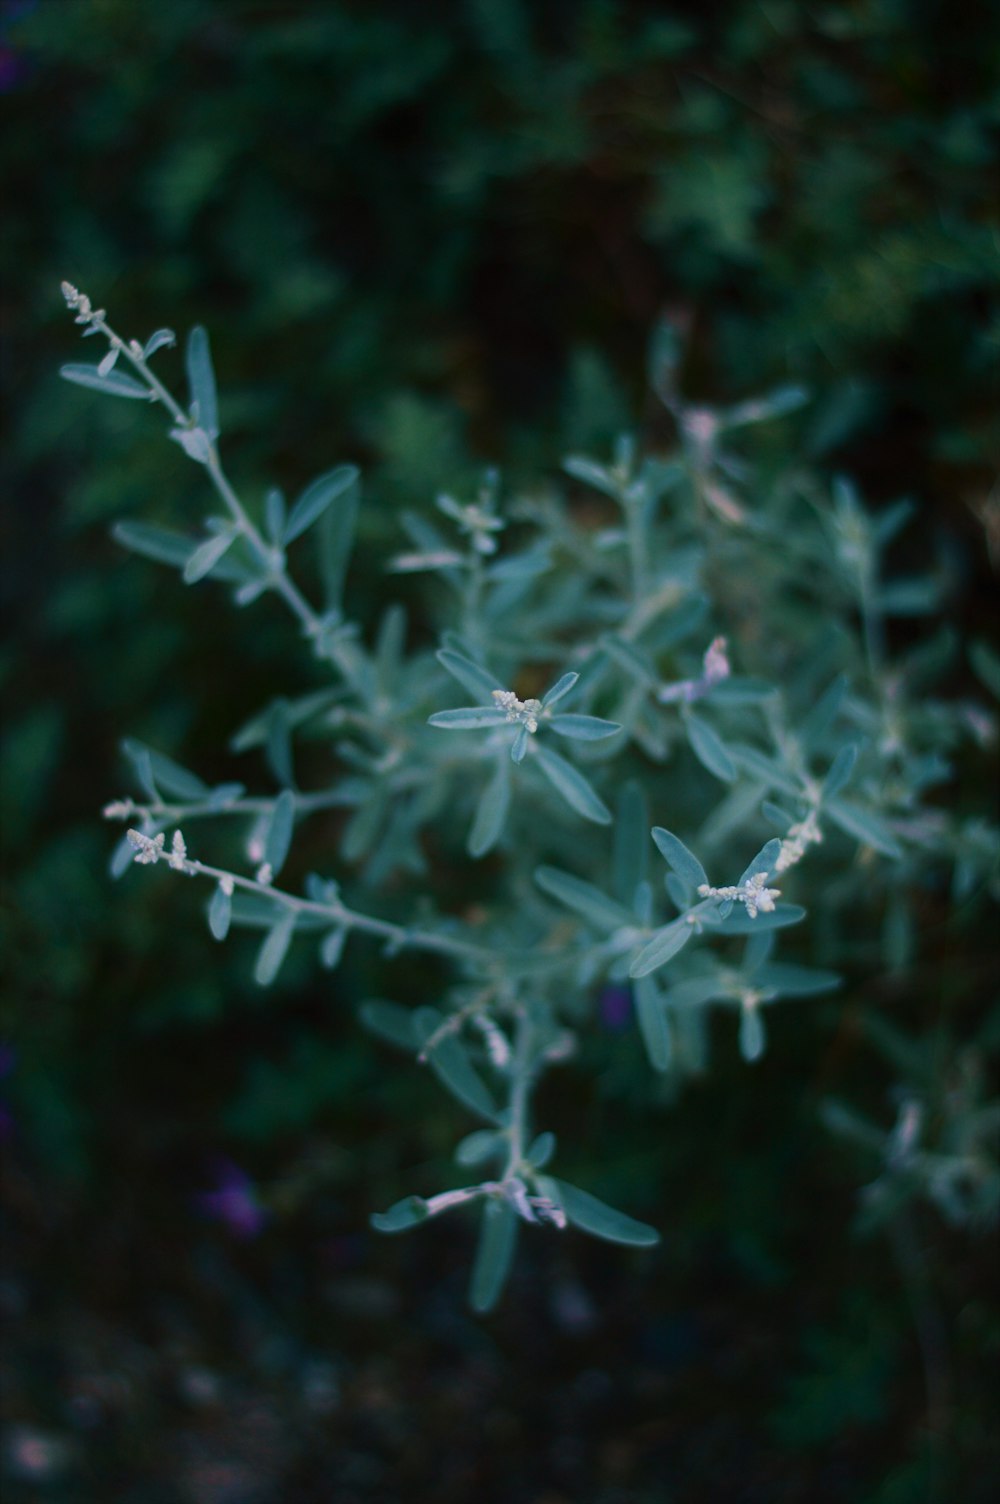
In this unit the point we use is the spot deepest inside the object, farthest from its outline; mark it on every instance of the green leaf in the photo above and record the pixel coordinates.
(494, 1254)
(279, 833)
(572, 785)
(584, 728)
(278, 743)
(451, 1064)
(491, 812)
(684, 862)
(653, 1023)
(785, 979)
(468, 718)
(207, 555)
(336, 537)
(157, 341)
(584, 899)
(664, 945)
(541, 1150)
(864, 825)
(332, 948)
(472, 676)
(751, 1034)
(317, 496)
(778, 918)
(986, 664)
(409, 1212)
(220, 912)
(559, 690)
(169, 776)
(631, 851)
(274, 949)
(274, 514)
(161, 544)
(391, 1023)
(709, 748)
(481, 1145)
(764, 860)
(201, 380)
(591, 474)
(519, 746)
(115, 383)
(590, 1215)
(840, 771)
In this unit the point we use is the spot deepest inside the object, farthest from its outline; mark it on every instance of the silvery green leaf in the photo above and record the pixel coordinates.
(626, 655)
(390, 647)
(751, 1034)
(274, 514)
(986, 664)
(584, 899)
(278, 746)
(890, 521)
(409, 1212)
(335, 539)
(317, 496)
(169, 776)
(602, 1221)
(201, 381)
(653, 1023)
(559, 690)
(541, 1150)
(220, 913)
(121, 858)
(194, 442)
(157, 341)
(764, 768)
(279, 834)
(468, 718)
(821, 717)
(694, 992)
(684, 862)
(584, 728)
(225, 794)
(786, 979)
(481, 1145)
(491, 812)
(472, 676)
(115, 383)
(391, 1023)
(519, 746)
(709, 748)
(494, 1254)
(451, 1064)
(864, 825)
(840, 770)
(207, 555)
(572, 785)
(786, 399)
(162, 544)
(663, 947)
(912, 597)
(741, 690)
(739, 922)
(591, 474)
(757, 950)
(679, 893)
(631, 850)
(764, 860)
(274, 949)
(776, 815)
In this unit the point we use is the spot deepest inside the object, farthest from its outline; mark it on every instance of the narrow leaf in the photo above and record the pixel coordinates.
(272, 953)
(751, 1034)
(409, 1212)
(559, 690)
(317, 496)
(708, 747)
(169, 776)
(115, 383)
(653, 1023)
(332, 948)
(491, 812)
(584, 728)
(684, 862)
(162, 544)
(468, 718)
(494, 1254)
(785, 979)
(157, 341)
(451, 1064)
(583, 898)
(738, 922)
(602, 1221)
(220, 912)
(764, 860)
(472, 676)
(391, 1023)
(201, 380)
(664, 945)
(481, 1145)
(572, 785)
(207, 555)
(631, 851)
(541, 1150)
(336, 537)
(840, 771)
(279, 835)
(864, 825)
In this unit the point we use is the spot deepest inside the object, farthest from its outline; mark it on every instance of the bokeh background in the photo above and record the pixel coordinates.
(426, 237)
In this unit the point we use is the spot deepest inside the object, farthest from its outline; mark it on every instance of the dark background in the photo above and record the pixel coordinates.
(425, 237)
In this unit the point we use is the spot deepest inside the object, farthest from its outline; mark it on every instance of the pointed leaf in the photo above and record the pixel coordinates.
(391, 1023)
(169, 776)
(602, 1221)
(478, 1147)
(631, 850)
(220, 912)
(664, 945)
(115, 383)
(207, 555)
(201, 380)
(494, 1254)
(751, 1034)
(785, 979)
(864, 825)
(559, 690)
(274, 949)
(541, 1150)
(472, 676)
(738, 922)
(519, 746)
(279, 834)
(491, 812)
(451, 1064)
(572, 785)
(684, 862)
(764, 860)
(584, 899)
(653, 1023)
(409, 1212)
(332, 948)
(840, 771)
(584, 728)
(468, 718)
(317, 496)
(708, 747)
(159, 543)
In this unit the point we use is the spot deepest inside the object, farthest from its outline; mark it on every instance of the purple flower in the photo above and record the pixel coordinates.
(233, 1201)
(614, 1007)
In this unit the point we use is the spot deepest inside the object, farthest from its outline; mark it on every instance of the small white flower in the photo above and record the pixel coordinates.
(716, 662)
(227, 885)
(265, 875)
(178, 853)
(524, 712)
(799, 837)
(119, 809)
(148, 850)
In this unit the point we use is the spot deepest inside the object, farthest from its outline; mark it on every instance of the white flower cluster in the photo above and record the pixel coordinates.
(149, 849)
(756, 897)
(526, 712)
(799, 837)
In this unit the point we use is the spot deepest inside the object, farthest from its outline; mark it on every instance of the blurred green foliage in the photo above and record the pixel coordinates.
(425, 236)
